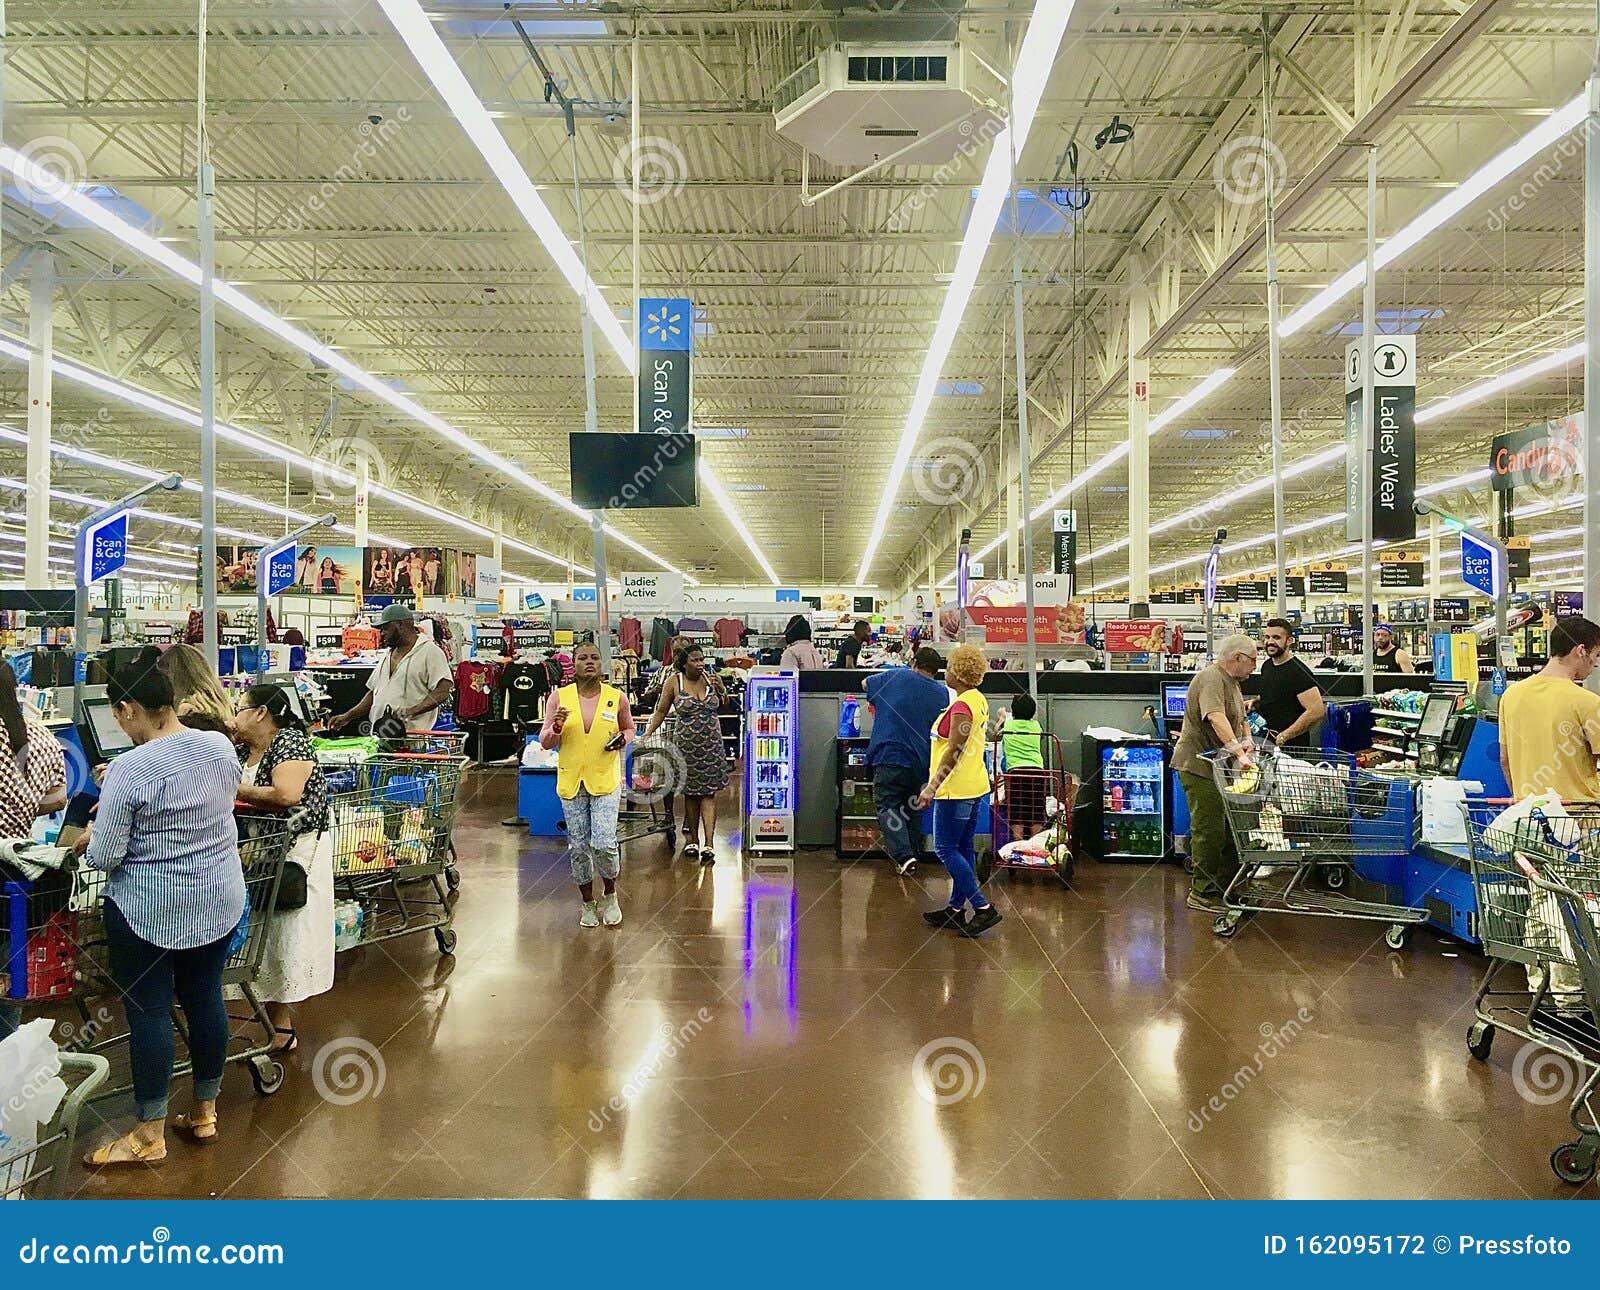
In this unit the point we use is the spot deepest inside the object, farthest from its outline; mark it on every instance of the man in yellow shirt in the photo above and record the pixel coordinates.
(1550, 724)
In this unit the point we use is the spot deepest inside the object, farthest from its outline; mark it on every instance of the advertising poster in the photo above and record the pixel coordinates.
(486, 575)
(415, 570)
(1136, 636)
(1000, 610)
(236, 569)
(327, 571)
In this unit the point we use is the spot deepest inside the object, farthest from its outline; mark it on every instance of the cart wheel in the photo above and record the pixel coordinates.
(1333, 875)
(1395, 937)
(446, 936)
(1226, 924)
(452, 878)
(1480, 1038)
(1573, 1163)
(266, 1075)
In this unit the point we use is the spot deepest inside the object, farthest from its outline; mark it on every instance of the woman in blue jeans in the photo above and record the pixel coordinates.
(958, 785)
(165, 834)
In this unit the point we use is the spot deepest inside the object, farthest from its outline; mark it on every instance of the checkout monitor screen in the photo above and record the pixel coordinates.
(1436, 716)
(1174, 699)
(109, 737)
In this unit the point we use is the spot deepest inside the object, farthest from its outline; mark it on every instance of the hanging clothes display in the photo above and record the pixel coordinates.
(630, 634)
(475, 687)
(728, 633)
(662, 630)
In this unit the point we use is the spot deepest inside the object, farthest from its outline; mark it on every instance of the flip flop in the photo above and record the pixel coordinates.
(191, 1129)
(139, 1154)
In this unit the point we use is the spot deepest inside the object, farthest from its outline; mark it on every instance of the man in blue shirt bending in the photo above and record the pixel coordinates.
(906, 701)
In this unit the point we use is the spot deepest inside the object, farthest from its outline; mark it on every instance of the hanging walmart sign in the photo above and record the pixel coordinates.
(666, 342)
(1394, 438)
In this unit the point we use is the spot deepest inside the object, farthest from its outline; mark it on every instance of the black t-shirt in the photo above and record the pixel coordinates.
(523, 687)
(1281, 686)
(1389, 662)
(849, 653)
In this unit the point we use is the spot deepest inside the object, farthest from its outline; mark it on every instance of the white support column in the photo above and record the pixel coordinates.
(1591, 367)
(1435, 574)
(363, 500)
(1013, 537)
(1138, 445)
(41, 339)
(932, 602)
(500, 550)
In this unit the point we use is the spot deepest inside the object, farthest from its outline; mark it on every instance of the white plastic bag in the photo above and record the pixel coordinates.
(31, 1091)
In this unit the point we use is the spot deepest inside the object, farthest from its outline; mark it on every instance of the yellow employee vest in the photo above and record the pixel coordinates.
(581, 756)
(970, 778)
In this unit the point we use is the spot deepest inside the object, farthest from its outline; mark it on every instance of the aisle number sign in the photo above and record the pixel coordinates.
(105, 548)
(1399, 569)
(278, 568)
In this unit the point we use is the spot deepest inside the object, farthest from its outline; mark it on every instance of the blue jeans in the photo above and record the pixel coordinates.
(148, 977)
(592, 835)
(955, 826)
(899, 821)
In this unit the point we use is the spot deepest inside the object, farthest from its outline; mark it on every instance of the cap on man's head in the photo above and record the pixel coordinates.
(395, 614)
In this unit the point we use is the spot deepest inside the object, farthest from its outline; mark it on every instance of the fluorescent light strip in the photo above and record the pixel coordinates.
(1046, 27)
(416, 29)
(1553, 128)
(720, 495)
(1167, 416)
(1505, 381)
(80, 203)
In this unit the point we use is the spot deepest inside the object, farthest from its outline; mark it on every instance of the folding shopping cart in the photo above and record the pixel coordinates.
(1531, 988)
(1295, 822)
(264, 841)
(38, 1171)
(1571, 884)
(391, 817)
(1033, 813)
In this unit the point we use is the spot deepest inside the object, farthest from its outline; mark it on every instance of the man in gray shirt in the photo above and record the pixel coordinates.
(411, 680)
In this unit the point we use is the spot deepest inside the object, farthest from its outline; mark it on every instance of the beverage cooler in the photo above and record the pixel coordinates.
(1124, 808)
(857, 835)
(771, 761)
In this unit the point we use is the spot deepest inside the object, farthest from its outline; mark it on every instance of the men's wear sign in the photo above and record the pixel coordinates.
(1064, 532)
(1394, 438)
(666, 342)
(105, 548)
(1538, 454)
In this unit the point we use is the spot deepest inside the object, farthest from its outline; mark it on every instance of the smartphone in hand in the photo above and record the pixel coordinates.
(614, 742)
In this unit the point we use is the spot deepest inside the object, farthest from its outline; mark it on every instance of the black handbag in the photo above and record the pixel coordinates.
(291, 889)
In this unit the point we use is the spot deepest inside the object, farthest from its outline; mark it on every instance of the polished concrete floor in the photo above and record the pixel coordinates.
(798, 1032)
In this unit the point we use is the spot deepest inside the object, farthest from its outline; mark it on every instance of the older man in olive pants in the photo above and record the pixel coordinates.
(1213, 719)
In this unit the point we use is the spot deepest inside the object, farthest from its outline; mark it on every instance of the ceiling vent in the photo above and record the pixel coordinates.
(857, 103)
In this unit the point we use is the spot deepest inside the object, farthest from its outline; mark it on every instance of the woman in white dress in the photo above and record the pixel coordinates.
(281, 774)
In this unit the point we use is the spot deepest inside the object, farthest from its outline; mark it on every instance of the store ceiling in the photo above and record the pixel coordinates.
(351, 202)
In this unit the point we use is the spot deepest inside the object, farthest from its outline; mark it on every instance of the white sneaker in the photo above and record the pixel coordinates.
(591, 915)
(611, 910)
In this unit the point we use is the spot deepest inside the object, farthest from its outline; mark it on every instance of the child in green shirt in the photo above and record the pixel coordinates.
(1019, 737)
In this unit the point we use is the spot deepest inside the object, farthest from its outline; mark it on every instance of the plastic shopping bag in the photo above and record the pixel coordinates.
(31, 1091)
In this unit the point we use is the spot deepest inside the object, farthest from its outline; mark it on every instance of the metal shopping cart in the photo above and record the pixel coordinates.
(1531, 988)
(1299, 827)
(1030, 801)
(38, 1171)
(655, 771)
(40, 932)
(392, 818)
(264, 841)
(1570, 885)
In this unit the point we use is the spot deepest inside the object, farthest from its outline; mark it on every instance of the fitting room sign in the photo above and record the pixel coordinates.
(1394, 438)
(666, 345)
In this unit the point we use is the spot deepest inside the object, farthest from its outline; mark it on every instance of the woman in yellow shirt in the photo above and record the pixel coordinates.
(957, 787)
(590, 722)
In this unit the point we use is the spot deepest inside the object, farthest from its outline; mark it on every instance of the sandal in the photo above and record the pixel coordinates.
(288, 1045)
(138, 1153)
(196, 1129)
(690, 850)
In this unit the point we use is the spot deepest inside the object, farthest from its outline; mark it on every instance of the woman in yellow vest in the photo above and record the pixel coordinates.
(959, 783)
(590, 722)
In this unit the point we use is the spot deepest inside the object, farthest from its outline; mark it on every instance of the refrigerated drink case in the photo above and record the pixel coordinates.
(772, 718)
(1125, 812)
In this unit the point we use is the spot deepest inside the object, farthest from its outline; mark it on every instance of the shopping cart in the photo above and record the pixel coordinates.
(391, 818)
(40, 932)
(1531, 988)
(38, 1172)
(1299, 827)
(1034, 802)
(264, 841)
(655, 770)
(1572, 886)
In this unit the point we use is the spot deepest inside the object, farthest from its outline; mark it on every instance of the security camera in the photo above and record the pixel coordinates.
(1222, 535)
(374, 118)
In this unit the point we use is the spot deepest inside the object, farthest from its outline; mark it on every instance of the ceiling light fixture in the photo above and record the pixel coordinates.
(1040, 43)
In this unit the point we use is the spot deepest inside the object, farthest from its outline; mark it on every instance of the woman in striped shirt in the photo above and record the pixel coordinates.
(165, 834)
